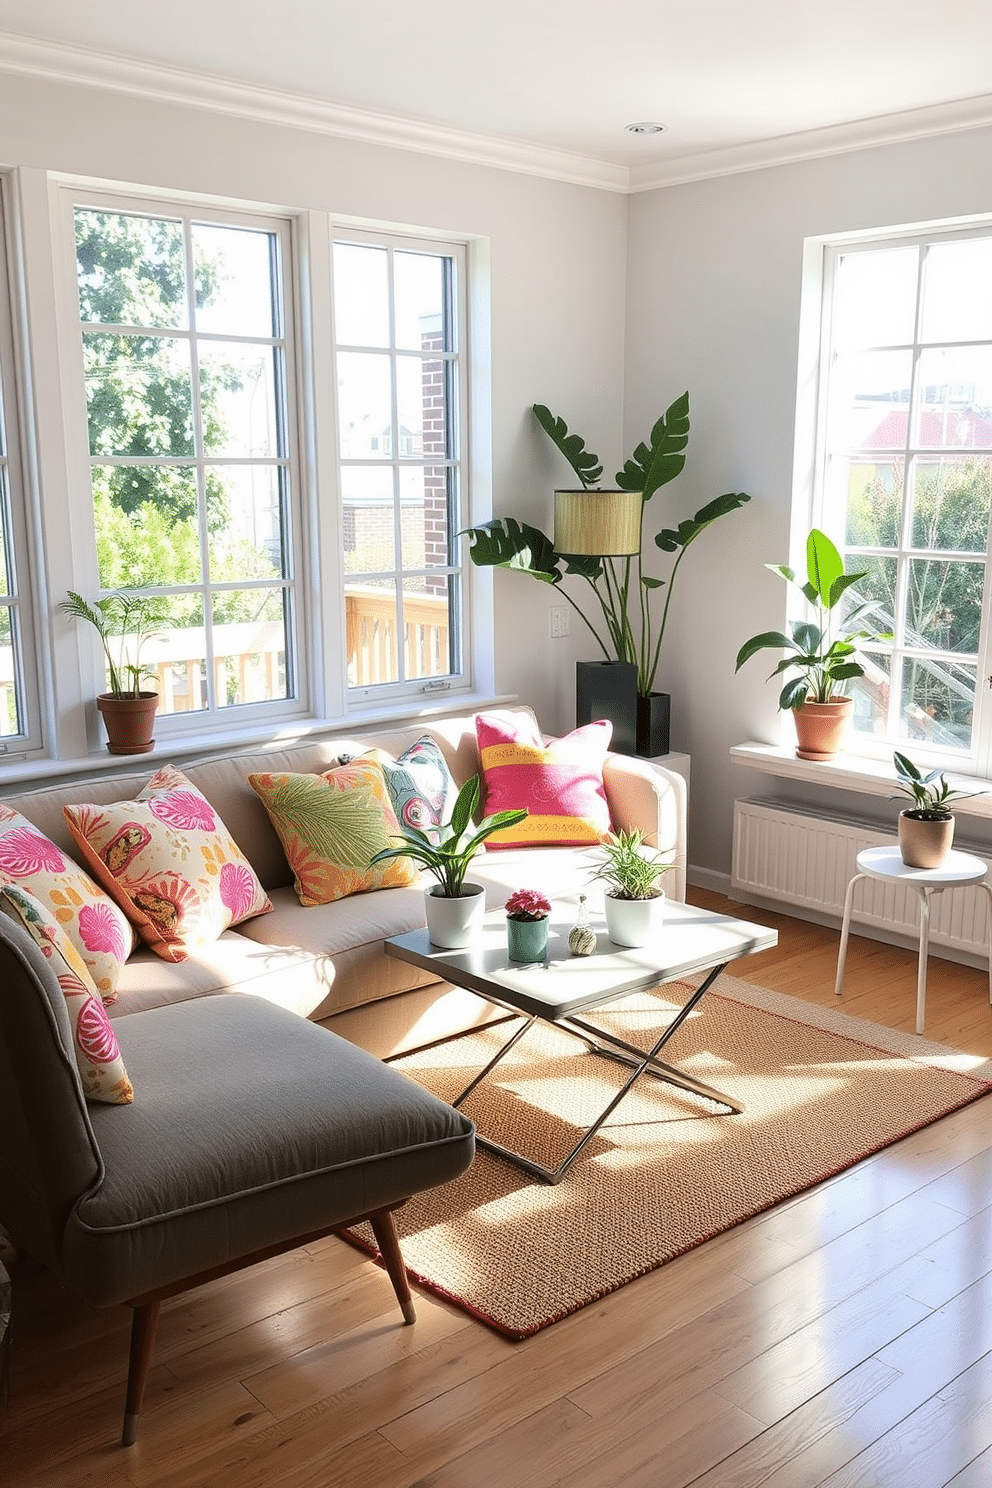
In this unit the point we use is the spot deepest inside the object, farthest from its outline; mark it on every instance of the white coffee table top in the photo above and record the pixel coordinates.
(691, 940)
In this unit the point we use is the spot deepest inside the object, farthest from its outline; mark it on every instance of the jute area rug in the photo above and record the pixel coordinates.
(669, 1170)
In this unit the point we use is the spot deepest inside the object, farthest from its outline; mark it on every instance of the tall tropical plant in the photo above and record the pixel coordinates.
(621, 618)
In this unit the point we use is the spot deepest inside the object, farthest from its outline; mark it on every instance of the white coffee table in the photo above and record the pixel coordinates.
(559, 988)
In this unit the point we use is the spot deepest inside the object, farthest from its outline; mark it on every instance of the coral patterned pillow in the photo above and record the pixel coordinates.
(419, 783)
(98, 929)
(331, 826)
(171, 864)
(98, 1056)
(560, 783)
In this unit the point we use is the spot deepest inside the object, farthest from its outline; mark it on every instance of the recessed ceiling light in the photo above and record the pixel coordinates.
(645, 128)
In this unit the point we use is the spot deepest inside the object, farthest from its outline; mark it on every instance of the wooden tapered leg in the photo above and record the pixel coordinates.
(386, 1238)
(143, 1327)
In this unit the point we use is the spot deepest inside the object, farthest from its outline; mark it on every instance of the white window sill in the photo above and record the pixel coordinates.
(40, 771)
(853, 773)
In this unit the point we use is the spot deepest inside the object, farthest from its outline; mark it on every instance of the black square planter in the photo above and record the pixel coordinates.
(608, 689)
(654, 714)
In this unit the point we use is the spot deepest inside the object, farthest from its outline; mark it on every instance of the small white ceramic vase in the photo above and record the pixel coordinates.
(454, 923)
(634, 922)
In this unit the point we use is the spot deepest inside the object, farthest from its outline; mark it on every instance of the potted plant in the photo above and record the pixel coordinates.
(127, 709)
(453, 908)
(527, 914)
(926, 829)
(619, 616)
(822, 651)
(633, 902)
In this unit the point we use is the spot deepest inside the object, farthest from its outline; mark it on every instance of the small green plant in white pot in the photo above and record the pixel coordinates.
(453, 907)
(633, 901)
(926, 829)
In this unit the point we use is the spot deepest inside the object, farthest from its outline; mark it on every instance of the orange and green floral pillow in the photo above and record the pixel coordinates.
(98, 1056)
(331, 826)
(94, 923)
(170, 863)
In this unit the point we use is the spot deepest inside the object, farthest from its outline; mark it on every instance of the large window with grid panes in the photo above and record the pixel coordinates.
(903, 480)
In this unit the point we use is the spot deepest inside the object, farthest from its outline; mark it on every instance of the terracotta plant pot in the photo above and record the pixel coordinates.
(821, 728)
(129, 721)
(925, 841)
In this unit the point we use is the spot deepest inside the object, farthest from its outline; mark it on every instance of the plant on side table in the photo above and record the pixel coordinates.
(527, 914)
(926, 829)
(633, 902)
(823, 650)
(127, 709)
(453, 908)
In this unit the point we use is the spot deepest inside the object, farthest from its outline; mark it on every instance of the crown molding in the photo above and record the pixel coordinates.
(56, 62)
(815, 144)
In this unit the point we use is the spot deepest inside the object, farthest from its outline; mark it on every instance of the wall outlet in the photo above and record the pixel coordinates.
(558, 621)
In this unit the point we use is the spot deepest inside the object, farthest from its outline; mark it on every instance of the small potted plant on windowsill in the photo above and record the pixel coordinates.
(823, 651)
(127, 709)
(633, 902)
(453, 908)
(926, 829)
(527, 914)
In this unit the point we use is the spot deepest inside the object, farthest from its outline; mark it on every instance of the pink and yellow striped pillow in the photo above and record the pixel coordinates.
(560, 783)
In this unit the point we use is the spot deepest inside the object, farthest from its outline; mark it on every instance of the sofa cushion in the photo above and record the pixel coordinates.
(97, 927)
(170, 862)
(420, 786)
(559, 782)
(331, 827)
(186, 1175)
(98, 1056)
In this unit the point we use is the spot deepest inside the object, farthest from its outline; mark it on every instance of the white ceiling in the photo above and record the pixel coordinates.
(737, 83)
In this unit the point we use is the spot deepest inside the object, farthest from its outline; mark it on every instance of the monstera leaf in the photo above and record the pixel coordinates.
(585, 464)
(652, 466)
(670, 539)
(507, 543)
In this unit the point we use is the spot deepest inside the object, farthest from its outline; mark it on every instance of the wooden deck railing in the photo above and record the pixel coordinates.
(370, 623)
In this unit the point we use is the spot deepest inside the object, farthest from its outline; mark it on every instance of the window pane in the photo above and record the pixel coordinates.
(249, 646)
(952, 496)
(877, 589)
(426, 641)
(238, 396)
(875, 298)
(871, 694)
(234, 281)
(138, 394)
(365, 409)
(370, 616)
(180, 657)
(944, 605)
(10, 720)
(369, 530)
(957, 291)
(245, 539)
(414, 393)
(938, 702)
(424, 516)
(4, 554)
(870, 400)
(361, 295)
(147, 527)
(955, 399)
(420, 290)
(874, 501)
(131, 270)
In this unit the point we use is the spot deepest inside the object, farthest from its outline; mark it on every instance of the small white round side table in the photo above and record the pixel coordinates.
(886, 865)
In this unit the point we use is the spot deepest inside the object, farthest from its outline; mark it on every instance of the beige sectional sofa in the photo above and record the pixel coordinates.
(327, 962)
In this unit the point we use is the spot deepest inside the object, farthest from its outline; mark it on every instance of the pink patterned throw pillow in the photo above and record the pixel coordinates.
(560, 783)
(98, 1056)
(98, 929)
(171, 864)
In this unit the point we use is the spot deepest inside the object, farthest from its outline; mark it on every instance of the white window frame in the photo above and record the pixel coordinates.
(361, 699)
(811, 506)
(219, 721)
(28, 668)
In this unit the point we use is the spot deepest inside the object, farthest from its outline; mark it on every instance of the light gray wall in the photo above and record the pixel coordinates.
(714, 281)
(558, 255)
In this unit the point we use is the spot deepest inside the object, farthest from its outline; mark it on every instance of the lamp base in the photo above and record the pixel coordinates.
(608, 689)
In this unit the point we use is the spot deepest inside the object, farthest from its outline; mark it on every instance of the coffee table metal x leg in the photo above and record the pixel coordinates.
(611, 1047)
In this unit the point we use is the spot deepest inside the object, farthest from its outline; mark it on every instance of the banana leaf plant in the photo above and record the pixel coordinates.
(620, 616)
(823, 651)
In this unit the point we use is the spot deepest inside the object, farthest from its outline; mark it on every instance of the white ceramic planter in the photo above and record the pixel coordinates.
(634, 922)
(453, 923)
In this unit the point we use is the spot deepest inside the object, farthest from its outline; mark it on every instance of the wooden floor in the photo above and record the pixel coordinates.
(844, 1338)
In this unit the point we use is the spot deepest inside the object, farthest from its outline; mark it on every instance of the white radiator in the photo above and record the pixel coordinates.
(782, 852)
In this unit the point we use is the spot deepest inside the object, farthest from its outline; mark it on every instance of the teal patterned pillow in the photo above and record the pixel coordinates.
(419, 784)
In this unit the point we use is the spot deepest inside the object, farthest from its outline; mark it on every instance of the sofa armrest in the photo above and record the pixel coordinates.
(641, 794)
